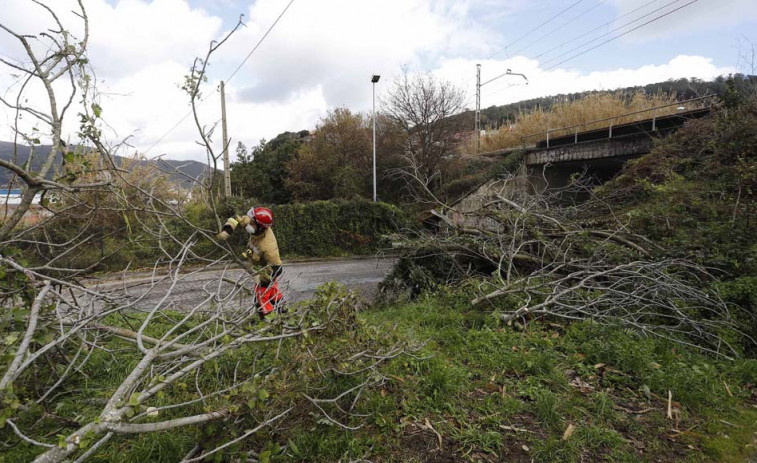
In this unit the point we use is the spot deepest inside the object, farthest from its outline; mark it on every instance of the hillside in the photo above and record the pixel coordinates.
(682, 89)
(192, 169)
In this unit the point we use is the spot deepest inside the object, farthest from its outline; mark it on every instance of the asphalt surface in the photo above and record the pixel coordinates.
(298, 281)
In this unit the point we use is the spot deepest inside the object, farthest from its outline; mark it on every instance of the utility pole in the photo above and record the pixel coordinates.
(478, 99)
(478, 108)
(226, 141)
(375, 78)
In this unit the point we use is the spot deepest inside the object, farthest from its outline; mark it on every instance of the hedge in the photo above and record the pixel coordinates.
(325, 228)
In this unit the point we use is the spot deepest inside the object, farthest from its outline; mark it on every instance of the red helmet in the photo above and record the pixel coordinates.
(262, 216)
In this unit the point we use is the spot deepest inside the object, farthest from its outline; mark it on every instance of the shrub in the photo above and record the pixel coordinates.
(327, 228)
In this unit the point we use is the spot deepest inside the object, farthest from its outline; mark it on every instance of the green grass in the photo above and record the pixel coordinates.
(483, 376)
(490, 392)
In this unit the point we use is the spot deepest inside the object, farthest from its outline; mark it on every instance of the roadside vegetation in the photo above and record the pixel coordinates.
(467, 387)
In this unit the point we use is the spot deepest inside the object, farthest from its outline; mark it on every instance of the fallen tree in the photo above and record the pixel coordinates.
(82, 364)
(538, 255)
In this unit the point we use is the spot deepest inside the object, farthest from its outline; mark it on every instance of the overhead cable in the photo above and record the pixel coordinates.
(610, 32)
(257, 45)
(533, 30)
(621, 35)
(595, 29)
(570, 21)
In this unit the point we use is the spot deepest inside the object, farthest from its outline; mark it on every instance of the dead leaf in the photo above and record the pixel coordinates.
(398, 378)
(581, 385)
(513, 428)
(431, 428)
(568, 432)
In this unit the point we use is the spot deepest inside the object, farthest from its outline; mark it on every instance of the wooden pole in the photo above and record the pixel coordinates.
(226, 141)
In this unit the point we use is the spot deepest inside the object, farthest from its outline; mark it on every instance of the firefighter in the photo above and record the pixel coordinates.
(263, 251)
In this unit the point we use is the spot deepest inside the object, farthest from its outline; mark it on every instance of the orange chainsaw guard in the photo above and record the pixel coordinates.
(268, 297)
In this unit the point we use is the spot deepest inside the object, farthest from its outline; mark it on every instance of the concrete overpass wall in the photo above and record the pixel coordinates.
(609, 148)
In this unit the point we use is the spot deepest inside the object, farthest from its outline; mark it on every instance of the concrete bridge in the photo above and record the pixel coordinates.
(557, 154)
(628, 139)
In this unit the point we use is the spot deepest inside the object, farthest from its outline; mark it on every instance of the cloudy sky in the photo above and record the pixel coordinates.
(322, 53)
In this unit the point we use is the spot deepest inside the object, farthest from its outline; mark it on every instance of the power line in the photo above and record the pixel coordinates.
(500, 90)
(533, 30)
(260, 41)
(620, 35)
(612, 31)
(573, 19)
(189, 113)
(595, 29)
(173, 127)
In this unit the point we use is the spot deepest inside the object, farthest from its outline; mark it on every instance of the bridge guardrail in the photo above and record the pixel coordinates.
(546, 134)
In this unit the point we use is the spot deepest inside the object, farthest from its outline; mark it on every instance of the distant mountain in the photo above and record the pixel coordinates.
(191, 169)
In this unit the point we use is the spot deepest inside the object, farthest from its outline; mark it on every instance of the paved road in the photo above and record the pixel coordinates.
(298, 281)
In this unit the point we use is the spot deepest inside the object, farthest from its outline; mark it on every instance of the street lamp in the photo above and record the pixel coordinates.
(374, 79)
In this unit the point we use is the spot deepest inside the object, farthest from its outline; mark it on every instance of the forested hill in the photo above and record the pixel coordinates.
(192, 169)
(683, 89)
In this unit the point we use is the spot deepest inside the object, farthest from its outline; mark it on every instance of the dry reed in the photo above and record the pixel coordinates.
(569, 113)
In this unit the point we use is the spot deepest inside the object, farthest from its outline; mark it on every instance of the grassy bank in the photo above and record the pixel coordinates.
(547, 393)
(476, 391)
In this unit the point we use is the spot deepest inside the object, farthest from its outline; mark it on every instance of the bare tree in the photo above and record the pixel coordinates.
(430, 112)
(54, 56)
(746, 62)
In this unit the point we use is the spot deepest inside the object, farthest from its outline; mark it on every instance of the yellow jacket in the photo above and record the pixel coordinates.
(263, 246)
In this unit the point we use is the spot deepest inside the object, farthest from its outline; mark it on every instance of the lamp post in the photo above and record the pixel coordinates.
(374, 79)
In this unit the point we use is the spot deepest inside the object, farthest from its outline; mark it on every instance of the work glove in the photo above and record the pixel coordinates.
(225, 233)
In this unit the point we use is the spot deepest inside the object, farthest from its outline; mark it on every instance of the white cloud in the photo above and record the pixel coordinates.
(320, 55)
(339, 44)
(512, 88)
(135, 34)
